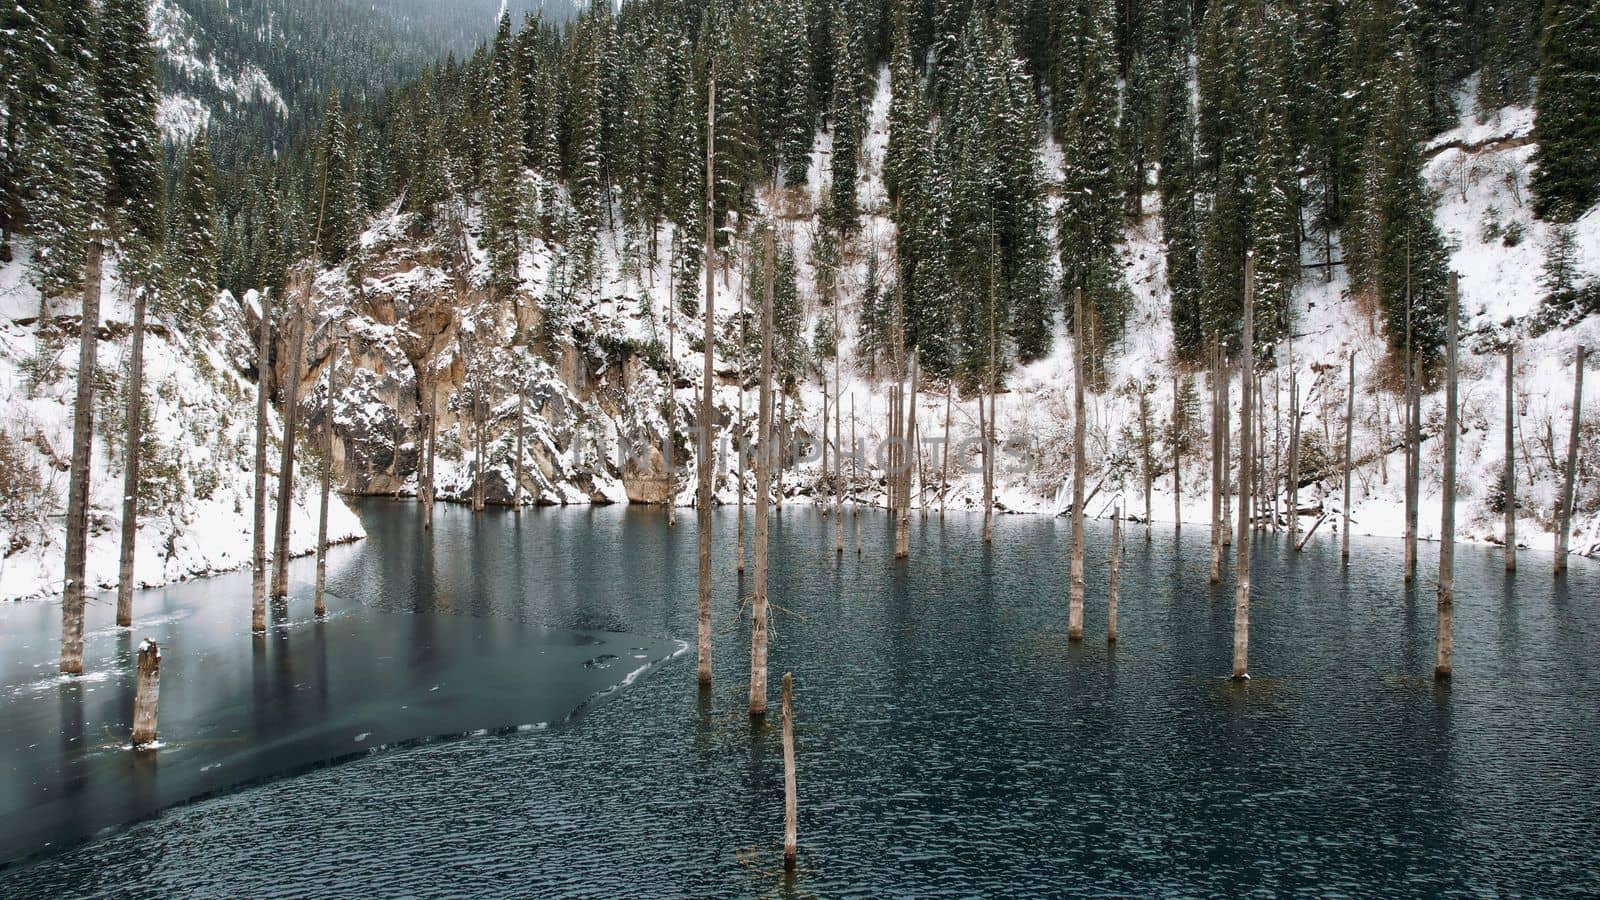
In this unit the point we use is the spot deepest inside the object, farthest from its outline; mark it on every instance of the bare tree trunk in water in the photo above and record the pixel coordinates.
(327, 483)
(1178, 429)
(146, 695)
(758, 602)
(855, 474)
(77, 550)
(780, 435)
(1413, 465)
(1568, 491)
(258, 558)
(790, 794)
(516, 469)
(987, 425)
(1217, 523)
(1444, 640)
(1147, 461)
(291, 423)
(130, 470)
(744, 435)
(1277, 448)
(1080, 463)
(944, 463)
(671, 441)
(1349, 445)
(1511, 461)
(1241, 601)
(910, 454)
(1116, 573)
(1294, 458)
(704, 463)
(838, 466)
(1227, 453)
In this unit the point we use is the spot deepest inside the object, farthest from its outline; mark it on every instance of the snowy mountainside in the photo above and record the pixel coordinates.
(197, 469)
(612, 366)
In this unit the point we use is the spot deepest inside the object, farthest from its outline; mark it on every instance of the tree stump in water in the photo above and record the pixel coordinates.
(790, 802)
(147, 692)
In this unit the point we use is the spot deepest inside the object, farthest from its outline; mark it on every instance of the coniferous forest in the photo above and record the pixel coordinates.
(1132, 446)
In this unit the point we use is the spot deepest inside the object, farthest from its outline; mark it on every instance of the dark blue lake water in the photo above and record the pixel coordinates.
(949, 739)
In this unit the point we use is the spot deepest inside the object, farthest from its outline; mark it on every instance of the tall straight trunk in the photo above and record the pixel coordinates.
(671, 441)
(1178, 429)
(1241, 595)
(744, 450)
(1227, 453)
(130, 471)
(944, 462)
(291, 423)
(1259, 486)
(1217, 523)
(790, 794)
(994, 375)
(855, 474)
(1444, 638)
(1511, 461)
(1116, 574)
(73, 587)
(1294, 458)
(838, 467)
(258, 557)
(1413, 466)
(704, 463)
(1147, 462)
(758, 600)
(430, 426)
(516, 469)
(902, 530)
(1277, 447)
(1349, 446)
(327, 482)
(1569, 489)
(1080, 465)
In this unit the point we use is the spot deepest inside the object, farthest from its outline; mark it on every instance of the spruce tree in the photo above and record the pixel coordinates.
(1566, 180)
(336, 210)
(192, 249)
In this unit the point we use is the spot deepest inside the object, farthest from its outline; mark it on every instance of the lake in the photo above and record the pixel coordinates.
(949, 739)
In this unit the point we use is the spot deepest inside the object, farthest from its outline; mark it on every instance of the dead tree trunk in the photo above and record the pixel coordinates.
(909, 455)
(130, 470)
(1227, 453)
(1349, 447)
(744, 433)
(258, 558)
(1569, 489)
(327, 483)
(1413, 462)
(1178, 430)
(1147, 462)
(291, 423)
(671, 440)
(77, 550)
(838, 463)
(704, 462)
(855, 473)
(790, 794)
(1080, 465)
(758, 601)
(1217, 523)
(1241, 601)
(944, 462)
(146, 695)
(516, 468)
(1116, 573)
(1511, 461)
(1444, 641)
(1294, 458)
(988, 424)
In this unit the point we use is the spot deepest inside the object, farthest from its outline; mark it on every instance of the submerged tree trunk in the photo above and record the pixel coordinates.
(744, 433)
(327, 483)
(1444, 640)
(909, 456)
(1413, 462)
(1147, 462)
(1080, 463)
(1569, 489)
(1349, 443)
(291, 423)
(130, 471)
(1294, 458)
(704, 462)
(790, 794)
(146, 695)
(516, 469)
(1241, 601)
(1217, 523)
(944, 462)
(838, 463)
(758, 601)
(258, 558)
(1116, 573)
(1177, 453)
(855, 473)
(1227, 454)
(1511, 462)
(72, 597)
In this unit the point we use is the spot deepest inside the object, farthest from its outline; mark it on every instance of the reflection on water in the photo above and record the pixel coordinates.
(949, 739)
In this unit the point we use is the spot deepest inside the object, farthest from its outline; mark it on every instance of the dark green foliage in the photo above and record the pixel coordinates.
(192, 239)
(1567, 111)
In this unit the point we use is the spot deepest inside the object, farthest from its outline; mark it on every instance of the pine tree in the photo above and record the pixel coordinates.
(504, 205)
(1510, 54)
(192, 256)
(848, 87)
(1566, 125)
(1178, 213)
(336, 210)
(128, 98)
(69, 183)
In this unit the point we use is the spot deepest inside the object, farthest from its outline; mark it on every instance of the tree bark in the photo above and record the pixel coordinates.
(909, 455)
(1241, 602)
(1217, 523)
(516, 469)
(744, 434)
(1349, 445)
(790, 794)
(1569, 489)
(1413, 463)
(1511, 461)
(1444, 641)
(1227, 454)
(1177, 453)
(1147, 461)
(704, 462)
(1080, 465)
(130, 471)
(146, 695)
(73, 588)
(291, 424)
(758, 602)
(321, 608)
(1116, 572)
(944, 463)
(258, 558)
(1294, 458)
